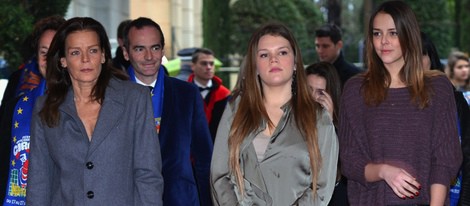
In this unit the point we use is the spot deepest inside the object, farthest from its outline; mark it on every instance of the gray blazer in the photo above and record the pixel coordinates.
(121, 165)
(282, 177)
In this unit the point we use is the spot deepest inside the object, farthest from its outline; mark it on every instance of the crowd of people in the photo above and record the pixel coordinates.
(81, 128)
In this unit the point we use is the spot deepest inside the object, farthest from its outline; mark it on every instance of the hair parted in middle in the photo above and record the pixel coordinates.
(413, 74)
(251, 110)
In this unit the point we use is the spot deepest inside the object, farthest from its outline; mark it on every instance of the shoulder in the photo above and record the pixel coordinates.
(354, 84)
(440, 85)
(180, 85)
(439, 80)
(125, 86)
(123, 91)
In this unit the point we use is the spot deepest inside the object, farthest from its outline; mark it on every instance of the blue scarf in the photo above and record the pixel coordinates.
(30, 77)
(157, 94)
(20, 136)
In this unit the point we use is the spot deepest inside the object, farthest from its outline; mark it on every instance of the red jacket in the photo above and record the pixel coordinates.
(214, 103)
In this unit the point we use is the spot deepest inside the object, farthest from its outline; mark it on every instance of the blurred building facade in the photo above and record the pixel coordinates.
(181, 20)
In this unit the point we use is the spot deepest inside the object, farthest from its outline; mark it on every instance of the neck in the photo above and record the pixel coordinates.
(458, 82)
(277, 96)
(82, 93)
(146, 79)
(394, 71)
(201, 81)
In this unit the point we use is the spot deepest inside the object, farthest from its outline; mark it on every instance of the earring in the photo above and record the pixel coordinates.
(294, 83)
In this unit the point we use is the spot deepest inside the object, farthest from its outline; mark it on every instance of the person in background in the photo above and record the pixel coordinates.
(185, 56)
(325, 86)
(92, 137)
(266, 150)
(328, 44)
(184, 135)
(28, 75)
(16, 114)
(214, 93)
(398, 125)
(459, 72)
(119, 61)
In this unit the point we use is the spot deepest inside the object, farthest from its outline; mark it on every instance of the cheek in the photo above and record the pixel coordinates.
(42, 62)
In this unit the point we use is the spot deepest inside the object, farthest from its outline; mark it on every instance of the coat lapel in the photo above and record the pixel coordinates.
(110, 114)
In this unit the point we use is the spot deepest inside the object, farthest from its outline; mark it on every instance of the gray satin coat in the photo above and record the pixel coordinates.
(124, 152)
(283, 176)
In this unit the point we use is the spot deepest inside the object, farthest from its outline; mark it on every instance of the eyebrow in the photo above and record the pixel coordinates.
(282, 47)
(78, 47)
(142, 46)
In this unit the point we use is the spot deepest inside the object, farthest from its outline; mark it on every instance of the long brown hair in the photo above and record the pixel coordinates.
(57, 78)
(333, 84)
(251, 110)
(377, 78)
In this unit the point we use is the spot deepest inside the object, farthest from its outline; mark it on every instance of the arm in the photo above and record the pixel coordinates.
(328, 144)
(41, 167)
(402, 183)
(438, 194)
(352, 139)
(201, 148)
(223, 190)
(147, 157)
(446, 154)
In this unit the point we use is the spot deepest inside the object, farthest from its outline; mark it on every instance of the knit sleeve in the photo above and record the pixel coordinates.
(354, 149)
(446, 151)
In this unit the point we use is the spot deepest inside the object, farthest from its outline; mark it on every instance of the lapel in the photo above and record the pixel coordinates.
(109, 115)
(168, 94)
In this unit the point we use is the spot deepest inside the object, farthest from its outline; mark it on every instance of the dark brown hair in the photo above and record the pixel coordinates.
(57, 78)
(377, 78)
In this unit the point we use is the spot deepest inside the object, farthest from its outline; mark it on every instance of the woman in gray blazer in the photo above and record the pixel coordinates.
(273, 147)
(93, 141)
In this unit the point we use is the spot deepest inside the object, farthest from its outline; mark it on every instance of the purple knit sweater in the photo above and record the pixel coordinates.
(423, 142)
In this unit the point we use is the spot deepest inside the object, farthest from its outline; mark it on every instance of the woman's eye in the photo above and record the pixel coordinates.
(263, 55)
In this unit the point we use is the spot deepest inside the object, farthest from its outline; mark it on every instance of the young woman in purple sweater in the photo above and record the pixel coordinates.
(398, 135)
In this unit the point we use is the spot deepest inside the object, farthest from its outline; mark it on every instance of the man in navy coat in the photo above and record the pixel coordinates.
(185, 140)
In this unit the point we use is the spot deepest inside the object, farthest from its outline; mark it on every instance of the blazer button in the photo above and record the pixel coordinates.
(90, 194)
(89, 165)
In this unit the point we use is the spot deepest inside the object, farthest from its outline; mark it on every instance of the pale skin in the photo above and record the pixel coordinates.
(204, 68)
(145, 53)
(461, 73)
(387, 47)
(327, 50)
(275, 63)
(317, 85)
(43, 46)
(83, 60)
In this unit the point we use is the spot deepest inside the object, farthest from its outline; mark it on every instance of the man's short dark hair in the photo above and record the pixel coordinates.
(200, 51)
(329, 30)
(121, 28)
(139, 23)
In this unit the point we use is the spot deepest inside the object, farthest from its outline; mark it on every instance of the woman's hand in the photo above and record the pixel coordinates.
(402, 183)
(324, 99)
